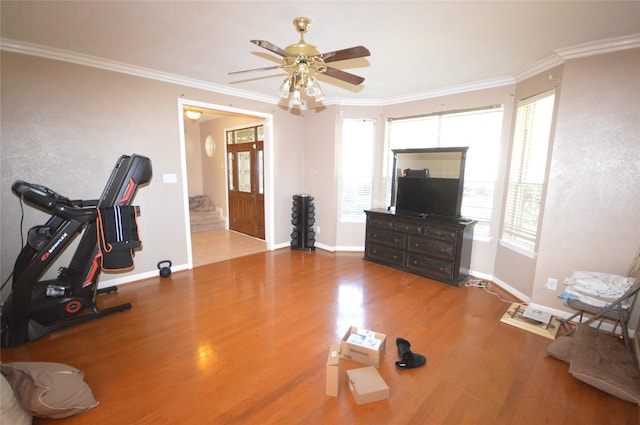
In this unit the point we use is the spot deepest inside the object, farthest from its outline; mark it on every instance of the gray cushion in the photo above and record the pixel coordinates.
(603, 362)
(561, 348)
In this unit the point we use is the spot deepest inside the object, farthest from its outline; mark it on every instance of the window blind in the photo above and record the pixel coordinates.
(356, 168)
(527, 170)
(479, 129)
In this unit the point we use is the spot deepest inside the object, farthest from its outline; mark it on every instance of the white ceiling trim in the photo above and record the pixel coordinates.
(615, 44)
(539, 67)
(582, 50)
(32, 49)
(457, 89)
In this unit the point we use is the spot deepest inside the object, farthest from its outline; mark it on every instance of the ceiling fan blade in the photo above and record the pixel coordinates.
(268, 68)
(351, 53)
(271, 47)
(344, 76)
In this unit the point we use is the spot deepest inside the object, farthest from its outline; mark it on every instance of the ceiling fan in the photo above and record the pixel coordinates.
(304, 61)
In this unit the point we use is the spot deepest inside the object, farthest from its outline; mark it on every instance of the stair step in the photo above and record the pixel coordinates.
(205, 227)
(205, 221)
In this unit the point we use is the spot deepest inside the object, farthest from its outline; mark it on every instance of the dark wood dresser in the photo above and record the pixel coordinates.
(437, 248)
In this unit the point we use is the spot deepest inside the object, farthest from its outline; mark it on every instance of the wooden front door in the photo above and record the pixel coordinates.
(246, 188)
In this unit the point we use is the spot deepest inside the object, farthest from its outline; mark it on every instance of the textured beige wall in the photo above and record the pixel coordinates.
(320, 175)
(64, 126)
(592, 214)
(194, 150)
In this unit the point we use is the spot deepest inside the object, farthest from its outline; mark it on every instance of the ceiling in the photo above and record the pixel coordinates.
(417, 47)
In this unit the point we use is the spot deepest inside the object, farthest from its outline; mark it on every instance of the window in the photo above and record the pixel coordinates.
(527, 170)
(356, 168)
(479, 129)
(245, 135)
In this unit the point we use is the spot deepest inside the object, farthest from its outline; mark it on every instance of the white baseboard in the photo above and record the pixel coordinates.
(510, 289)
(607, 326)
(135, 277)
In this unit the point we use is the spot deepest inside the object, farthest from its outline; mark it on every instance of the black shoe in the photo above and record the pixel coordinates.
(409, 359)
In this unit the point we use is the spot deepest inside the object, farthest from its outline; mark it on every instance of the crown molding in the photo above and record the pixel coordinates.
(558, 58)
(450, 90)
(580, 50)
(430, 94)
(539, 67)
(599, 47)
(47, 52)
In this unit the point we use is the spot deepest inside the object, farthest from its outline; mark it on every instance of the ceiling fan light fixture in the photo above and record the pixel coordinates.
(291, 87)
(313, 89)
(304, 61)
(296, 99)
(300, 82)
(284, 89)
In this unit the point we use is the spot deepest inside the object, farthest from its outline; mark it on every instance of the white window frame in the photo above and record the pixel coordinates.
(429, 129)
(356, 168)
(530, 154)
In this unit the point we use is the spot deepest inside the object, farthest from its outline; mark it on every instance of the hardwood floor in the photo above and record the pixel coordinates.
(245, 341)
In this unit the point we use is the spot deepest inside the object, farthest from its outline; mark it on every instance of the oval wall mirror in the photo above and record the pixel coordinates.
(210, 146)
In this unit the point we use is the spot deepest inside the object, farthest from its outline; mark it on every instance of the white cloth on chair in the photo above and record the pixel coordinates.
(595, 288)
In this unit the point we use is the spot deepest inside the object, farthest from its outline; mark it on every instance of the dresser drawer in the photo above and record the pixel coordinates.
(437, 269)
(386, 254)
(380, 222)
(432, 247)
(387, 237)
(442, 233)
(408, 227)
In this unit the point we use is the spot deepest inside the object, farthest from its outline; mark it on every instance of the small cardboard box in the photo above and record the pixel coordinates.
(367, 385)
(363, 346)
(333, 371)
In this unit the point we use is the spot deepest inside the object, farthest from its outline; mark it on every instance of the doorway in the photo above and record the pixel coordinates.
(245, 166)
(205, 171)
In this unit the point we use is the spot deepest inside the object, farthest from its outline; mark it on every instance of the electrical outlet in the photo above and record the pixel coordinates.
(552, 284)
(318, 229)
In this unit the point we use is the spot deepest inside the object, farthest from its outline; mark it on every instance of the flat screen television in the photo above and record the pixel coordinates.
(429, 196)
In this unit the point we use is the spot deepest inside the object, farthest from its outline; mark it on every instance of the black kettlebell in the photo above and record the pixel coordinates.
(165, 268)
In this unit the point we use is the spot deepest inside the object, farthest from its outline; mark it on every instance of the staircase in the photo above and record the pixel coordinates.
(208, 220)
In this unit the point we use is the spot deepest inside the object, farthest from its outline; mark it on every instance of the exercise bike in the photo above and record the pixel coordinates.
(35, 308)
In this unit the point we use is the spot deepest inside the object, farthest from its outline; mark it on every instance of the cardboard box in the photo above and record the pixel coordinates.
(333, 371)
(367, 385)
(364, 346)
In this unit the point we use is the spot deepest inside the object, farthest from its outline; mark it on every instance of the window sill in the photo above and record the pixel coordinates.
(518, 248)
(482, 237)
